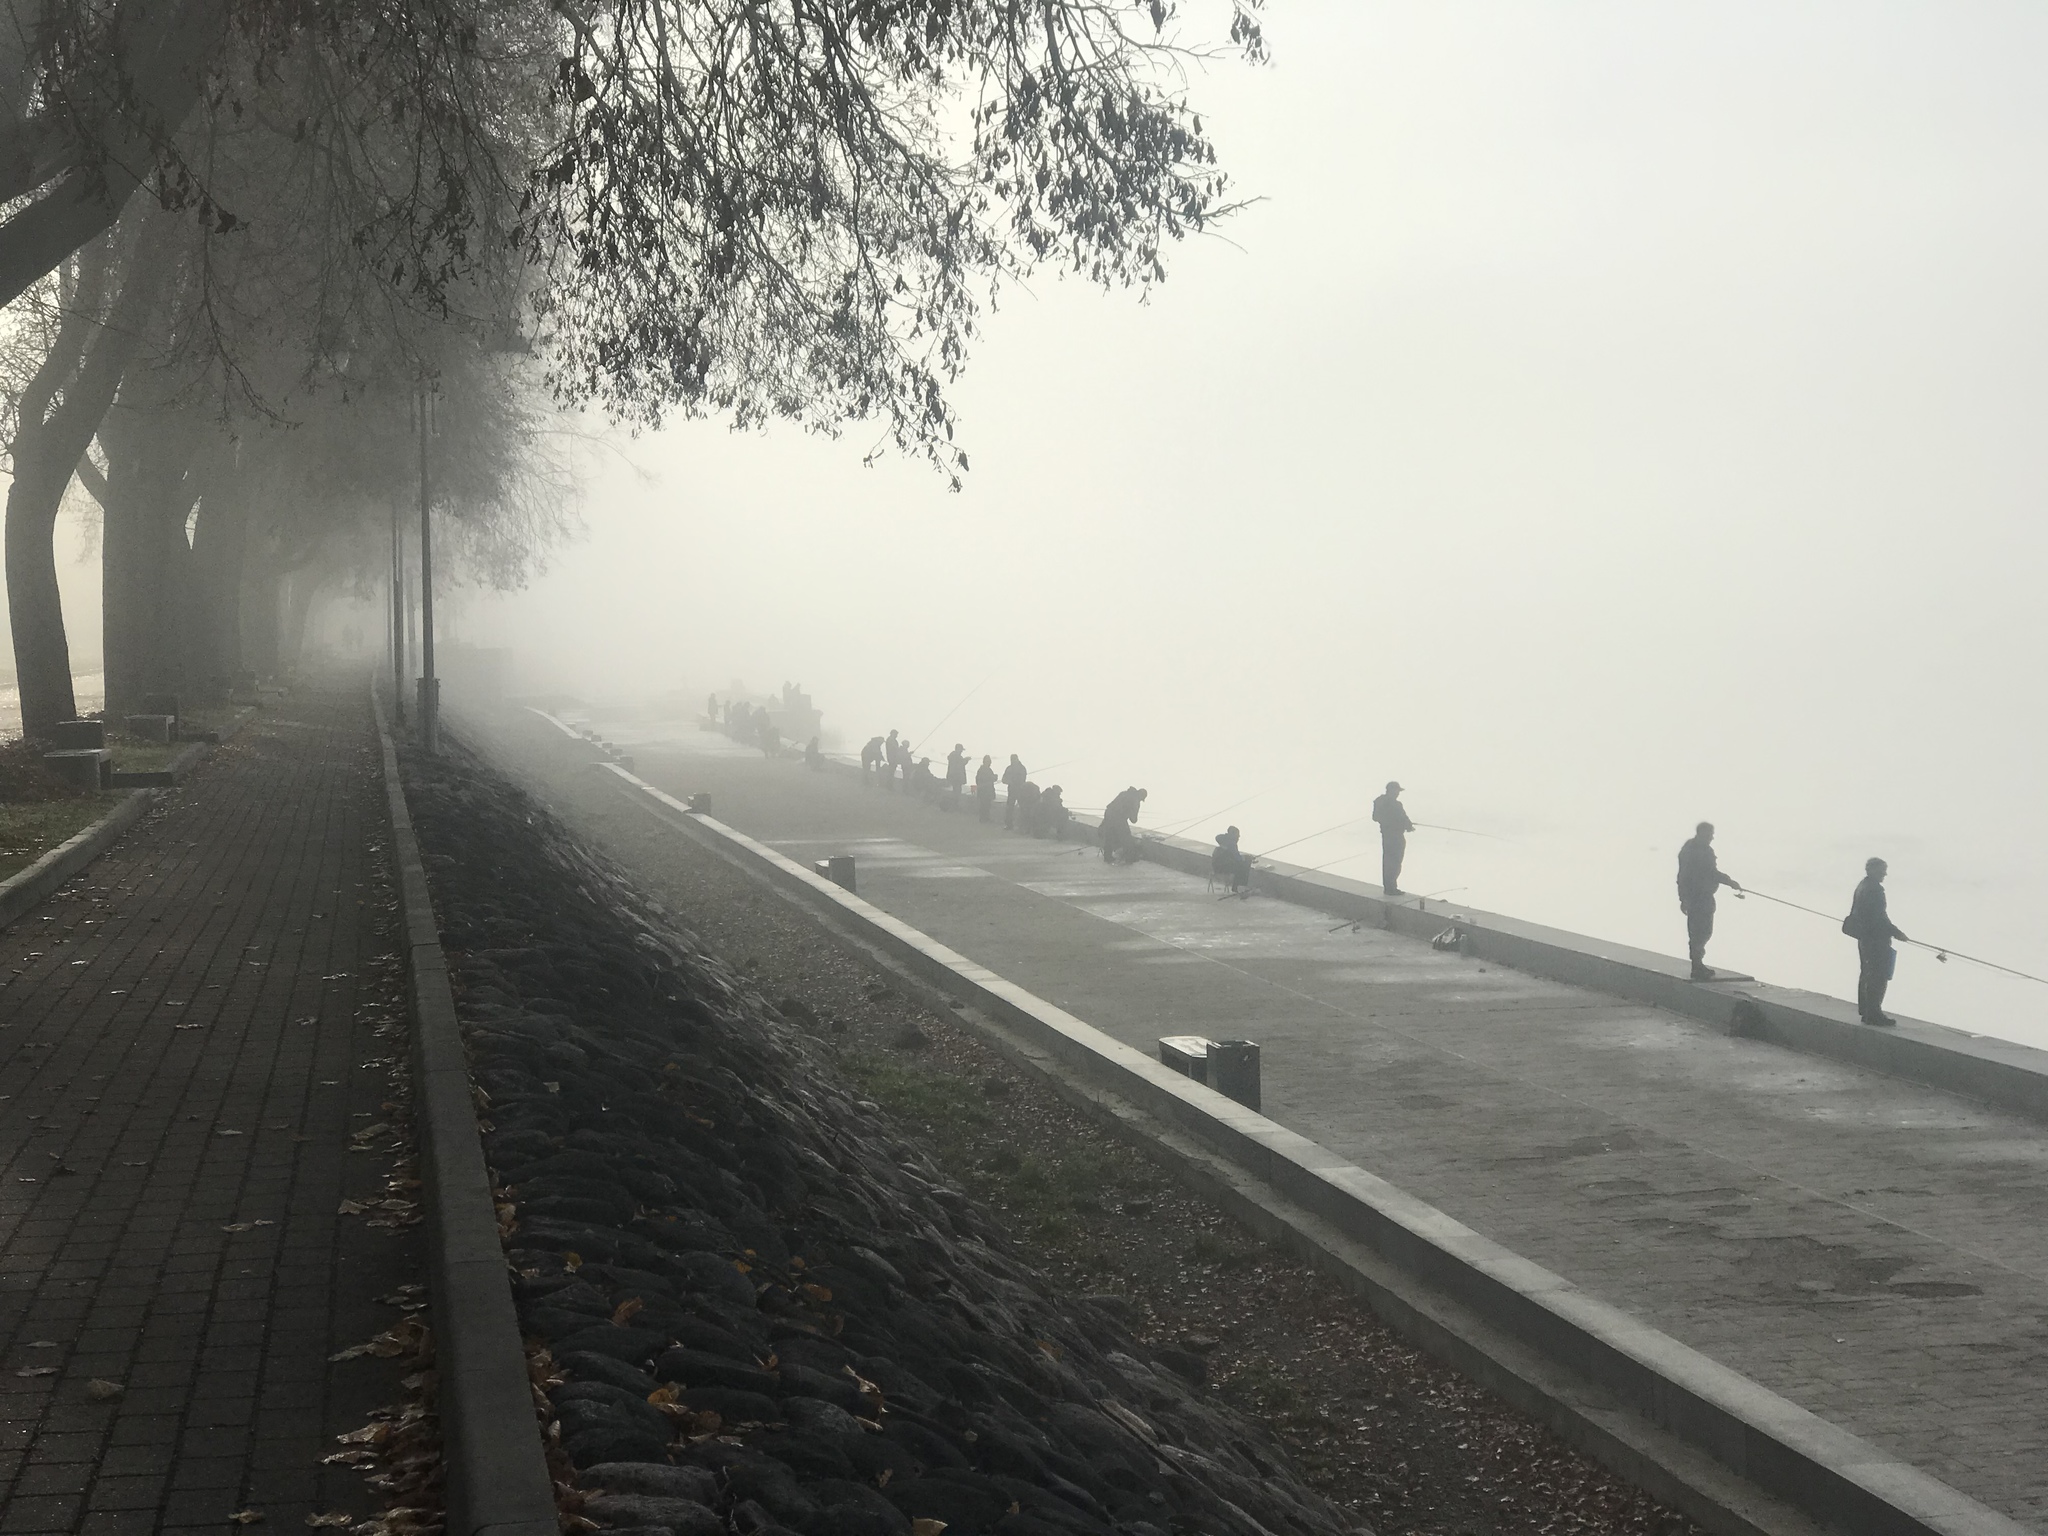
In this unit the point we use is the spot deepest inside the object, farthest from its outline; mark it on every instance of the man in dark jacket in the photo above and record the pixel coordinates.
(1870, 925)
(984, 788)
(1014, 778)
(956, 774)
(1395, 826)
(1699, 878)
(1117, 816)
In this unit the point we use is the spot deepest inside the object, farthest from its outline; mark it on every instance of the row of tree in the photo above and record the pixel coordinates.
(247, 245)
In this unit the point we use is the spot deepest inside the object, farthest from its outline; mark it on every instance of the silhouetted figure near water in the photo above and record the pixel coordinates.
(984, 789)
(926, 782)
(1014, 778)
(870, 760)
(893, 757)
(1228, 863)
(956, 774)
(1869, 923)
(1699, 878)
(813, 758)
(770, 738)
(1052, 810)
(1395, 826)
(1117, 842)
(1029, 822)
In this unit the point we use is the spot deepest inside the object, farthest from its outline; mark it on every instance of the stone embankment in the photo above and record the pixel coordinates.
(761, 1310)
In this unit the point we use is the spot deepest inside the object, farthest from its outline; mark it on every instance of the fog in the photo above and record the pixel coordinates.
(1611, 416)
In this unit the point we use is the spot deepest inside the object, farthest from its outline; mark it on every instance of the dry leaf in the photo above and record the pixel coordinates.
(369, 1434)
(246, 1517)
(101, 1390)
(627, 1310)
(335, 1519)
(352, 1208)
(922, 1527)
(37, 1370)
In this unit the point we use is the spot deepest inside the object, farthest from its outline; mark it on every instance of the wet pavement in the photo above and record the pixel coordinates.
(1868, 1248)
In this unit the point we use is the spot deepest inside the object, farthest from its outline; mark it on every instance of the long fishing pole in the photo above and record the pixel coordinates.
(1354, 821)
(949, 714)
(1941, 952)
(1463, 831)
(1181, 826)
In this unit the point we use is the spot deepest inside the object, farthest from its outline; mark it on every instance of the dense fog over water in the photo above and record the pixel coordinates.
(1613, 416)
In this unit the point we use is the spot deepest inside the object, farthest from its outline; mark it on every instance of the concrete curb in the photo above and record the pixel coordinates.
(497, 1474)
(29, 888)
(1819, 1470)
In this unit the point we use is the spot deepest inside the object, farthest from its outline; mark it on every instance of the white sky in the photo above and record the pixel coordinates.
(1614, 415)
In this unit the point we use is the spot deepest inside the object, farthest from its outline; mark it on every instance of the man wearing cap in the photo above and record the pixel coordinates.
(1699, 880)
(1869, 923)
(1395, 826)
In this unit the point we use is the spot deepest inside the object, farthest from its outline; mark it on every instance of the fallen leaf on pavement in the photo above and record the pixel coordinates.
(101, 1390)
(246, 1517)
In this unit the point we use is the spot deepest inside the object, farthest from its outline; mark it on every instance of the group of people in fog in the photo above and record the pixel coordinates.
(892, 762)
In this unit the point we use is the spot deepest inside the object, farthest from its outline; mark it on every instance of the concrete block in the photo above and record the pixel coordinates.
(838, 868)
(82, 767)
(78, 735)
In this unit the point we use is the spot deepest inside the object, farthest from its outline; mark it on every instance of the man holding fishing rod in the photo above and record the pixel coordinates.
(1869, 923)
(1395, 826)
(1699, 879)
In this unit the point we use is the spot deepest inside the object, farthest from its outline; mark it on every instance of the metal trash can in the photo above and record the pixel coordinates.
(1234, 1070)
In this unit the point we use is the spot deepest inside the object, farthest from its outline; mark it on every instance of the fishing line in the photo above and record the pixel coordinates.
(1941, 952)
(1181, 826)
(1311, 837)
(949, 714)
(1464, 831)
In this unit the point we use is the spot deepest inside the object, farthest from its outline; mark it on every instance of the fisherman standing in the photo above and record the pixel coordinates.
(1395, 826)
(956, 774)
(1869, 923)
(984, 789)
(870, 760)
(1699, 879)
(1228, 863)
(893, 757)
(1014, 778)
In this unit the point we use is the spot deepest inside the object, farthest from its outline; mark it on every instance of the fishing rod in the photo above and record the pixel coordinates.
(949, 714)
(1311, 837)
(1181, 826)
(1941, 952)
(1464, 831)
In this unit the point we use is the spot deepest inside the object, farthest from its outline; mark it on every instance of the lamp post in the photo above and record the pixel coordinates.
(430, 685)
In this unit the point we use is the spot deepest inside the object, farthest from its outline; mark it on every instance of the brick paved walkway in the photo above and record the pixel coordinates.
(1874, 1250)
(187, 1043)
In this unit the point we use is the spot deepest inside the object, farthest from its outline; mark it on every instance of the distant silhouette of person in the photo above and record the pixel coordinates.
(813, 758)
(1699, 878)
(1395, 826)
(956, 774)
(927, 782)
(870, 759)
(1117, 816)
(712, 710)
(1228, 863)
(893, 757)
(1014, 778)
(1869, 923)
(984, 788)
(1029, 821)
(770, 738)
(1052, 810)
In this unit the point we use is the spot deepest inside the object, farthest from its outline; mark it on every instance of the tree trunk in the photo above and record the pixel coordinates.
(87, 363)
(144, 559)
(262, 635)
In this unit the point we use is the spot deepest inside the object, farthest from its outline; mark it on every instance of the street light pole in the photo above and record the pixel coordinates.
(397, 613)
(430, 685)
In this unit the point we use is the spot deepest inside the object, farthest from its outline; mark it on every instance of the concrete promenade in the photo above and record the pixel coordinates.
(188, 1046)
(1873, 1250)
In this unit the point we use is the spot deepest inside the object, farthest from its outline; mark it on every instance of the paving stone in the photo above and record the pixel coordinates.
(207, 902)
